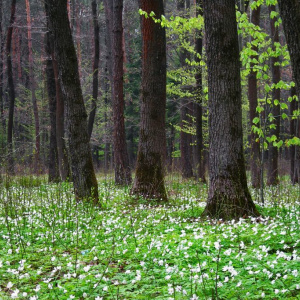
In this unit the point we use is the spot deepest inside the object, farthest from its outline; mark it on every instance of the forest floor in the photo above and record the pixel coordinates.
(54, 248)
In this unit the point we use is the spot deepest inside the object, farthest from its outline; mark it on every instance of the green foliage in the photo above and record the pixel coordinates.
(53, 247)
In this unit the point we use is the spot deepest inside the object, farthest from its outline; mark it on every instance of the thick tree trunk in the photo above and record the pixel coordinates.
(53, 172)
(253, 103)
(228, 196)
(95, 68)
(290, 15)
(149, 179)
(198, 111)
(272, 170)
(122, 169)
(33, 96)
(2, 121)
(83, 175)
(11, 89)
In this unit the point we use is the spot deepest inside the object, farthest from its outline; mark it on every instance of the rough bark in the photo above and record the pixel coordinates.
(149, 179)
(83, 175)
(272, 169)
(2, 121)
(290, 15)
(32, 88)
(253, 103)
(198, 111)
(228, 196)
(11, 89)
(121, 160)
(95, 69)
(53, 166)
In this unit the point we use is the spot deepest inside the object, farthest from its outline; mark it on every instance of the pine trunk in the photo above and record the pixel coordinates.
(228, 196)
(83, 175)
(149, 179)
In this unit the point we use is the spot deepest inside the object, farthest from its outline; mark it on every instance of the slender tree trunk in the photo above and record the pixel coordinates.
(11, 89)
(95, 69)
(53, 172)
(294, 131)
(78, 33)
(290, 15)
(33, 96)
(253, 103)
(228, 196)
(121, 161)
(185, 113)
(149, 179)
(83, 175)
(198, 111)
(272, 170)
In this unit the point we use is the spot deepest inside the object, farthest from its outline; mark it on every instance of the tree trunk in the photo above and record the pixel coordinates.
(11, 89)
(33, 96)
(253, 103)
(290, 15)
(122, 169)
(149, 179)
(2, 121)
(294, 131)
(272, 170)
(198, 111)
(228, 196)
(53, 172)
(83, 175)
(95, 68)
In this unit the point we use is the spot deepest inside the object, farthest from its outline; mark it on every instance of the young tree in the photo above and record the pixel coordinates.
(272, 170)
(253, 102)
(149, 179)
(11, 88)
(121, 161)
(290, 15)
(83, 175)
(228, 196)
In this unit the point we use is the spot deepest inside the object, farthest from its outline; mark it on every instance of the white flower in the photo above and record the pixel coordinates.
(105, 288)
(194, 297)
(14, 295)
(84, 295)
(263, 294)
(9, 285)
(86, 268)
(99, 298)
(53, 258)
(217, 245)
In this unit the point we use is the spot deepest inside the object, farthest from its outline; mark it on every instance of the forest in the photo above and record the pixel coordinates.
(149, 149)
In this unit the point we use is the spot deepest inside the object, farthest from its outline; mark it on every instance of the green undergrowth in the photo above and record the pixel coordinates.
(54, 248)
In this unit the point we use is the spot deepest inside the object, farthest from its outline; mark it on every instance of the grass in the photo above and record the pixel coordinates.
(54, 248)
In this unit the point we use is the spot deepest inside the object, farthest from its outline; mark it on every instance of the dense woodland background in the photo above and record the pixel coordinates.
(32, 105)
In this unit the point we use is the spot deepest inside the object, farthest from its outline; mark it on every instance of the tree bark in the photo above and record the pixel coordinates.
(253, 103)
(33, 96)
(121, 161)
(228, 196)
(198, 110)
(2, 121)
(53, 171)
(294, 131)
(83, 175)
(149, 179)
(272, 170)
(290, 15)
(95, 69)
(11, 89)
